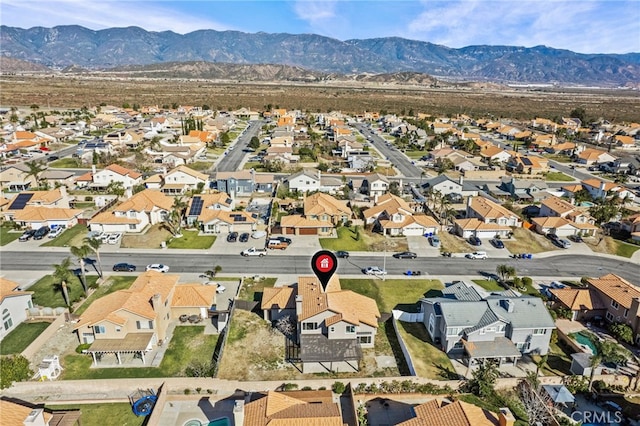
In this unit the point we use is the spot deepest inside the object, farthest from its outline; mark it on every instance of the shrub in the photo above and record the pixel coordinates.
(622, 332)
(14, 368)
(83, 347)
(307, 388)
(338, 387)
(187, 391)
(527, 281)
(88, 198)
(198, 389)
(289, 386)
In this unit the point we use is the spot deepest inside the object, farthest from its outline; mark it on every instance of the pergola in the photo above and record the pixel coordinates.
(318, 348)
(132, 343)
(500, 349)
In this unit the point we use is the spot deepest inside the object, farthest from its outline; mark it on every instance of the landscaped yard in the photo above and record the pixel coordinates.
(414, 155)
(152, 238)
(97, 414)
(200, 166)
(525, 241)
(47, 291)
(189, 345)
(558, 360)
(7, 235)
(429, 361)
(69, 237)
(252, 290)
(21, 337)
(558, 177)
(68, 163)
(350, 240)
(391, 294)
(489, 285)
(114, 283)
(191, 240)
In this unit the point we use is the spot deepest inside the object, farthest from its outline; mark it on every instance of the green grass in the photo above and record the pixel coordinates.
(114, 283)
(96, 414)
(200, 166)
(414, 155)
(188, 345)
(69, 237)
(84, 205)
(558, 361)
(625, 249)
(252, 165)
(346, 241)
(251, 290)
(21, 336)
(191, 240)
(46, 293)
(560, 158)
(489, 285)
(67, 163)
(558, 177)
(428, 361)
(394, 293)
(6, 237)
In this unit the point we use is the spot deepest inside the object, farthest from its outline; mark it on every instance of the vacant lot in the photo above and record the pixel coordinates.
(607, 244)
(453, 243)
(252, 289)
(76, 91)
(352, 239)
(525, 241)
(152, 238)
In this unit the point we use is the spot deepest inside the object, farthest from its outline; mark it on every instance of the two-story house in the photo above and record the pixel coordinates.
(522, 189)
(485, 219)
(591, 156)
(601, 189)
(15, 177)
(304, 181)
(333, 324)
(183, 179)
(321, 213)
(500, 326)
(147, 207)
(562, 218)
(100, 179)
(374, 185)
(14, 305)
(391, 215)
(446, 186)
(243, 183)
(207, 201)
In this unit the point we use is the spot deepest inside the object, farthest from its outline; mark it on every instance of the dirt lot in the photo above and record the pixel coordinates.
(255, 352)
(525, 241)
(150, 239)
(76, 91)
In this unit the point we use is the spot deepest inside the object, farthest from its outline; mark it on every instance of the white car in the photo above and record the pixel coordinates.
(159, 267)
(374, 270)
(477, 255)
(105, 237)
(114, 238)
(55, 232)
(220, 289)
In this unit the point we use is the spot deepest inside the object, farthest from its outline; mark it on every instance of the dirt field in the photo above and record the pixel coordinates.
(62, 91)
(150, 239)
(526, 241)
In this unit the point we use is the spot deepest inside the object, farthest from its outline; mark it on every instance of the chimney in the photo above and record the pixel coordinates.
(35, 418)
(298, 305)
(156, 301)
(238, 411)
(634, 312)
(461, 180)
(505, 417)
(93, 169)
(507, 304)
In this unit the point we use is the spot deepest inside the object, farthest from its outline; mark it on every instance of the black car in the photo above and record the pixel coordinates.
(244, 237)
(27, 235)
(552, 237)
(405, 255)
(124, 267)
(576, 238)
(497, 243)
(41, 232)
(475, 241)
(53, 158)
(232, 237)
(342, 254)
(284, 240)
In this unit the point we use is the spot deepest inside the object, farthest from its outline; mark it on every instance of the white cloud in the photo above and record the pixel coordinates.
(313, 11)
(152, 16)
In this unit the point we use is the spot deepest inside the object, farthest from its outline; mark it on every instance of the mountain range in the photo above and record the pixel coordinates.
(75, 46)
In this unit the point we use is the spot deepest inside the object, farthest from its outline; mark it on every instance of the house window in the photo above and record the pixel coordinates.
(364, 340)
(609, 316)
(501, 328)
(99, 329)
(351, 329)
(614, 304)
(118, 329)
(539, 331)
(7, 322)
(309, 325)
(452, 331)
(482, 331)
(332, 329)
(458, 345)
(132, 226)
(432, 323)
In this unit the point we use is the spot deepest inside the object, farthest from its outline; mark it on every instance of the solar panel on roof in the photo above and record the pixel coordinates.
(20, 201)
(196, 206)
(526, 161)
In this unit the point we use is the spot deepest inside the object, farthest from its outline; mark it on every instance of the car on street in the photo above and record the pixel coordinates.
(475, 241)
(114, 238)
(497, 243)
(244, 237)
(27, 235)
(158, 267)
(41, 232)
(53, 158)
(477, 255)
(405, 255)
(124, 267)
(342, 254)
(55, 232)
(253, 252)
(374, 270)
(232, 237)
(434, 241)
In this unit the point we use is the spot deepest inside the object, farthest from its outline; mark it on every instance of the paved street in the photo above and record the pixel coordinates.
(231, 161)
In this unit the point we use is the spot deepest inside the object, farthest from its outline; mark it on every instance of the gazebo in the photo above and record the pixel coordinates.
(137, 343)
(559, 394)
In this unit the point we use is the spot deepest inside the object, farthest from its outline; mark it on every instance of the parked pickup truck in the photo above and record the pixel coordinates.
(254, 252)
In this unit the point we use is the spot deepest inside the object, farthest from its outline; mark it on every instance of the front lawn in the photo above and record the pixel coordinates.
(96, 414)
(69, 237)
(415, 155)
(7, 236)
(252, 290)
(557, 177)
(191, 240)
(489, 285)
(428, 361)
(114, 283)
(21, 337)
(391, 294)
(47, 291)
(625, 249)
(200, 166)
(67, 163)
(189, 345)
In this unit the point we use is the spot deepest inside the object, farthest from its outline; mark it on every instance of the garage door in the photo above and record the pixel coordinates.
(308, 231)
(290, 231)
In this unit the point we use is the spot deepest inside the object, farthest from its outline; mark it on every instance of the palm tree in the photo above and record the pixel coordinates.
(94, 244)
(80, 253)
(173, 221)
(505, 271)
(35, 168)
(62, 274)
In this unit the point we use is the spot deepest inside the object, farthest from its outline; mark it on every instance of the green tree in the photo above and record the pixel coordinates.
(505, 271)
(225, 139)
(443, 165)
(622, 332)
(116, 188)
(254, 143)
(80, 253)
(94, 244)
(62, 275)
(14, 368)
(173, 221)
(483, 379)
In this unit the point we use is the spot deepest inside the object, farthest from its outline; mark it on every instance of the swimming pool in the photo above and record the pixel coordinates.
(585, 340)
(586, 204)
(222, 421)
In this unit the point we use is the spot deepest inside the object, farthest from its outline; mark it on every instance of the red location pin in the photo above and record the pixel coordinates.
(324, 263)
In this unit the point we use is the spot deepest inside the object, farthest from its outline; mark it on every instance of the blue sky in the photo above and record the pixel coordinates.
(606, 26)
